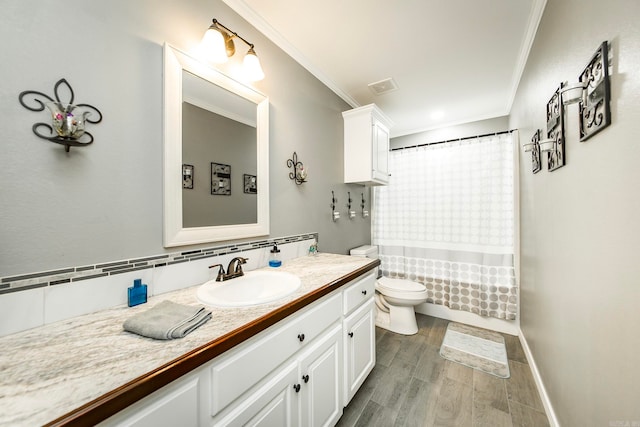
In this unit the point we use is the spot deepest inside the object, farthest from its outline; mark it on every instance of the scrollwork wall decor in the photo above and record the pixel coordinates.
(555, 130)
(595, 112)
(299, 174)
(536, 162)
(68, 120)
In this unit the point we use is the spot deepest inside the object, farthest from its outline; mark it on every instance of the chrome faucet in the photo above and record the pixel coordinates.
(233, 270)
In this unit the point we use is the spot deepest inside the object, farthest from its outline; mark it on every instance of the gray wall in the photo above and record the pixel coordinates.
(580, 233)
(209, 137)
(104, 202)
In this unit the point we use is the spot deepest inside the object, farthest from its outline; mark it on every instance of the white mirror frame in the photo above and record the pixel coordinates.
(175, 234)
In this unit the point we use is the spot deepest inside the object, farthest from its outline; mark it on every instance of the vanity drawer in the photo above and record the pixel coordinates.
(360, 291)
(246, 366)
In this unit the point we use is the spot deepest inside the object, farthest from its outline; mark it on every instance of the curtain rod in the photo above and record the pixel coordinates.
(452, 140)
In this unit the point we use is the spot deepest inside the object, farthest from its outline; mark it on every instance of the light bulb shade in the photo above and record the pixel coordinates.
(213, 46)
(528, 146)
(252, 67)
(547, 145)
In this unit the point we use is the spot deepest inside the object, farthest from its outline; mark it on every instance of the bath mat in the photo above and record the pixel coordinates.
(476, 348)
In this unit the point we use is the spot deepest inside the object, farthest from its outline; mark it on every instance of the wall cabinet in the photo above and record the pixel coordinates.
(366, 146)
(300, 372)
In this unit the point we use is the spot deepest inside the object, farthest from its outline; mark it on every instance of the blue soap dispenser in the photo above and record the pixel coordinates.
(137, 293)
(274, 258)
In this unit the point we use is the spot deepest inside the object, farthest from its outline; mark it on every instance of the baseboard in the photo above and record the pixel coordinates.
(546, 402)
(510, 327)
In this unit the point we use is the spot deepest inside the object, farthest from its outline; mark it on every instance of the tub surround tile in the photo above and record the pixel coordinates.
(53, 369)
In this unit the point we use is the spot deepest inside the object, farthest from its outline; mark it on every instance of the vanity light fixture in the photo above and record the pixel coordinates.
(218, 46)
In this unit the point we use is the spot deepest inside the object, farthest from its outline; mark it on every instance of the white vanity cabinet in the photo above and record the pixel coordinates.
(249, 384)
(175, 404)
(366, 146)
(301, 371)
(359, 334)
(321, 381)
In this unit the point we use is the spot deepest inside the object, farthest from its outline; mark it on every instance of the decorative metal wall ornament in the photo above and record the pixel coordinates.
(555, 130)
(595, 112)
(335, 215)
(536, 162)
(352, 213)
(187, 176)
(299, 174)
(250, 184)
(67, 119)
(365, 213)
(220, 179)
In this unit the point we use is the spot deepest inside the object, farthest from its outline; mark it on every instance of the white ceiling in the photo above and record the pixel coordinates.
(454, 61)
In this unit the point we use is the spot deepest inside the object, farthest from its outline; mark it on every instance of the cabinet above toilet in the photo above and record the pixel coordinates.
(366, 146)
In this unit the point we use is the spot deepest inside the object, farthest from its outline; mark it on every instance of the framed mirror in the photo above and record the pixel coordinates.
(216, 132)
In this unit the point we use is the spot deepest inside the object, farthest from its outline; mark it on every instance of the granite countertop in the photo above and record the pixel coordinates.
(51, 370)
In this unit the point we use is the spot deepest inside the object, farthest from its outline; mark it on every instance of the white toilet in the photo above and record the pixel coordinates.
(395, 298)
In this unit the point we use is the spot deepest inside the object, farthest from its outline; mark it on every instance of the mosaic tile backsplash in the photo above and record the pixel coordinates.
(75, 274)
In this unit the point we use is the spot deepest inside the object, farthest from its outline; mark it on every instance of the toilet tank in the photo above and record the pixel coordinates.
(366, 251)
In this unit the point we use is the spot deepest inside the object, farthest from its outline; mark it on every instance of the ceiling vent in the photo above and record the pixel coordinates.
(383, 86)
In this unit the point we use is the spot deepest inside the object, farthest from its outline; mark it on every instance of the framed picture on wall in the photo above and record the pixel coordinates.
(220, 179)
(250, 184)
(187, 176)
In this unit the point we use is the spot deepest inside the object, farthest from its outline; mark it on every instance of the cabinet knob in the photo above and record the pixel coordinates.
(301, 337)
(296, 387)
(305, 378)
(364, 292)
(351, 334)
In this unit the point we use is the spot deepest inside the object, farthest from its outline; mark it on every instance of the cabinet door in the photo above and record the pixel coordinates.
(359, 348)
(321, 379)
(174, 404)
(275, 403)
(380, 147)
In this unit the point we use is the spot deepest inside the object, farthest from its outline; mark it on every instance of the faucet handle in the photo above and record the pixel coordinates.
(220, 276)
(239, 264)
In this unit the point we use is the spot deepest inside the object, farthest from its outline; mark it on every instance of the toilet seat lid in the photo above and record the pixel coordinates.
(400, 285)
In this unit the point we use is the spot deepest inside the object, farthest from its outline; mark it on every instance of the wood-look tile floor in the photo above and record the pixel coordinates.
(412, 385)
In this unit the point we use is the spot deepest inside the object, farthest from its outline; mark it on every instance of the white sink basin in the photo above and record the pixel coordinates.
(255, 287)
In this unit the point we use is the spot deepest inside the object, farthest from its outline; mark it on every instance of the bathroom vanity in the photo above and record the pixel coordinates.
(297, 361)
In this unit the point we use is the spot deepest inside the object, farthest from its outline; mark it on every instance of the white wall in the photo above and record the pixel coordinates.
(104, 202)
(580, 227)
(480, 127)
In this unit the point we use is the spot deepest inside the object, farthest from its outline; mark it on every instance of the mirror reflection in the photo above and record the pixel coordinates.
(216, 155)
(219, 143)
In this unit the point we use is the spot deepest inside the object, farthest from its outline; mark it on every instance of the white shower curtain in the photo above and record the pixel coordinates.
(446, 219)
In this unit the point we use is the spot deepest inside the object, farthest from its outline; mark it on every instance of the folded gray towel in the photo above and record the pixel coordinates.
(167, 320)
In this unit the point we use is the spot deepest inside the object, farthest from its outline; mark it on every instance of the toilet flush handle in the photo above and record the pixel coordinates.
(351, 334)
(364, 292)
